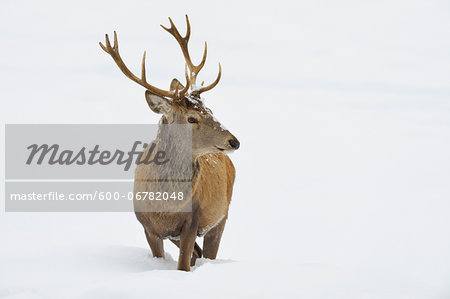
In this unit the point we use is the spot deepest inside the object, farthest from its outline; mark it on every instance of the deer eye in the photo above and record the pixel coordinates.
(192, 120)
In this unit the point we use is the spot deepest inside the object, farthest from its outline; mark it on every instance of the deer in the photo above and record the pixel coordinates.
(213, 172)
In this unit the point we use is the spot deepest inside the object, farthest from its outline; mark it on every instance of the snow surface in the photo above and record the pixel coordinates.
(112, 271)
(342, 109)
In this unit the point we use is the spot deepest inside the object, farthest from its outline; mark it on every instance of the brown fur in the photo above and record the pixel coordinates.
(213, 176)
(211, 197)
(212, 171)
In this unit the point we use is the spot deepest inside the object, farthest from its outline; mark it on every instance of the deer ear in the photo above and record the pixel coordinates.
(158, 104)
(176, 85)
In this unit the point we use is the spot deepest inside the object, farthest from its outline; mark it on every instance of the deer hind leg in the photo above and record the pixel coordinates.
(196, 254)
(156, 244)
(187, 241)
(211, 241)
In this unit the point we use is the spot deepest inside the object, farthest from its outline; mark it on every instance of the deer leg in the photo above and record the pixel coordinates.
(197, 251)
(187, 241)
(156, 244)
(211, 241)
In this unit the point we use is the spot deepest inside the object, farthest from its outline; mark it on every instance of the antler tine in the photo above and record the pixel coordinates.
(116, 43)
(188, 82)
(212, 85)
(143, 68)
(183, 42)
(188, 29)
(114, 52)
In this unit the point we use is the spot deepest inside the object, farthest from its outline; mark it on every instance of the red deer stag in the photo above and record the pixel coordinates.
(213, 172)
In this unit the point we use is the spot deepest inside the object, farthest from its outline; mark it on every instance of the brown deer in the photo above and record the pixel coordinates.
(213, 172)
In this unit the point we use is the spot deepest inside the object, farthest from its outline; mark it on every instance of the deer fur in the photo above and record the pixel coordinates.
(213, 172)
(212, 187)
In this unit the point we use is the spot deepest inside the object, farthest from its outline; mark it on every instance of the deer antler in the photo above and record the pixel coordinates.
(193, 69)
(114, 52)
(191, 77)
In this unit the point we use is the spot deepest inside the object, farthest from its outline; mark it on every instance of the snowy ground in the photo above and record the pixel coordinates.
(129, 272)
(343, 175)
(82, 263)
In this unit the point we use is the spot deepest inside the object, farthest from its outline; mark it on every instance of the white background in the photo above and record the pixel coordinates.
(343, 175)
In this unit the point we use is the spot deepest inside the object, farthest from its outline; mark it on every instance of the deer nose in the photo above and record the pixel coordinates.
(234, 143)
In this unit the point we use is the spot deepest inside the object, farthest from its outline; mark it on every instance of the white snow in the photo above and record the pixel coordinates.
(113, 271)
(342, 109)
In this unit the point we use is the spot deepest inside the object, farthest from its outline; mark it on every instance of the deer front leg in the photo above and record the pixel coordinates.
(187, 241)
(156, 244)
(197, 251)
(211, 241)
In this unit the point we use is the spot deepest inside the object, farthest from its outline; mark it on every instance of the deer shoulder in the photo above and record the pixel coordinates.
(213, 189)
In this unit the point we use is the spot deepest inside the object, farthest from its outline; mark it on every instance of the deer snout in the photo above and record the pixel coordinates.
(234, 143)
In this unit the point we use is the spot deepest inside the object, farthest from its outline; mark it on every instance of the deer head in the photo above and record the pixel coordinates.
(182, 104)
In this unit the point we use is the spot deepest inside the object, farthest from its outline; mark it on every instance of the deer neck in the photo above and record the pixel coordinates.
(178, 150)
